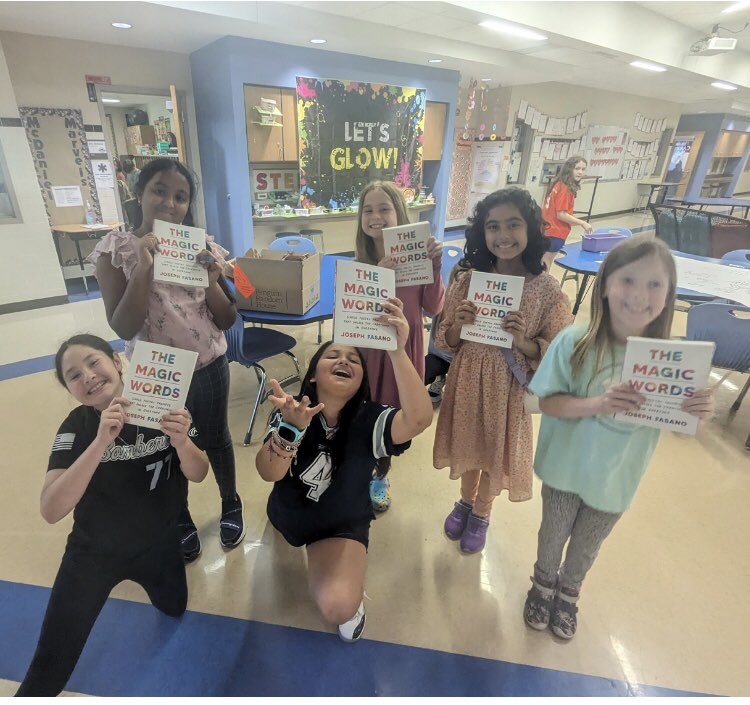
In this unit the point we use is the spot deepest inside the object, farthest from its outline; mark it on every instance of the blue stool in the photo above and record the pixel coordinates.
(295, 243)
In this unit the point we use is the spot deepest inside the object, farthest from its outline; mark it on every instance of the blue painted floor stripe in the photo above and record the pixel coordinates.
(134, 650)
(40, 364)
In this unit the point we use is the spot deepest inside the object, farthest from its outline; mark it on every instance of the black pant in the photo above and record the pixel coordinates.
(81, 588)
(434, 366)
(207, 401)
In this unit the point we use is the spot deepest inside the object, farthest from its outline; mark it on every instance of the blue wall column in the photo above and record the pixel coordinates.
(219, 72)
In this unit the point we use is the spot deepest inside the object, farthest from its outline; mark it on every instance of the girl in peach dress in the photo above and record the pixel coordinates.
(483, 433)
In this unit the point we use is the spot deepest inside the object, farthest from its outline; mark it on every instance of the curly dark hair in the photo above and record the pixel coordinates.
(476, 254)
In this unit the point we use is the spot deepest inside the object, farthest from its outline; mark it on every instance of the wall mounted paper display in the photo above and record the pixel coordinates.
(103, 176)
(605, 151)
(67, 196)
(494, 295)
(97, 147)
(460, 179)
(59, 147)
(175, 262)
(265, 181)
(361, 291)
(351, 133)
(157, 382)
(666, 372)
(407, 246)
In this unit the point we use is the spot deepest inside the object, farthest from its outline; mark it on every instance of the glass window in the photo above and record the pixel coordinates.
(9, 212)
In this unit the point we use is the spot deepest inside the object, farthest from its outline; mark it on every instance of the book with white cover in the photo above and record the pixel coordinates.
(666, 372)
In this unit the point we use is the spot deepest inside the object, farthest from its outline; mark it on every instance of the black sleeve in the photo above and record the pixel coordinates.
(71, 440)
(225, 288)
(195, 437)
(382, 443)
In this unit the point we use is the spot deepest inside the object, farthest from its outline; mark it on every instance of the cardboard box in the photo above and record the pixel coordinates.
(281, 285)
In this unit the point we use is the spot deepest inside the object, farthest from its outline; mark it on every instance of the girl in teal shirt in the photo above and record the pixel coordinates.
(590, 463)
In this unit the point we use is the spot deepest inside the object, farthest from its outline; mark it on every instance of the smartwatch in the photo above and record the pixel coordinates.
(289, 433)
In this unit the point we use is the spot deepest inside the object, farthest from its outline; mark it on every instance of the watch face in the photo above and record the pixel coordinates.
(287, 434)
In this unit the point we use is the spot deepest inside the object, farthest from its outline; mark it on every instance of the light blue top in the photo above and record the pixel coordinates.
(599, 459)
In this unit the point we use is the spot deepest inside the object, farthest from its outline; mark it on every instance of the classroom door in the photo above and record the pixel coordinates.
(682, 158)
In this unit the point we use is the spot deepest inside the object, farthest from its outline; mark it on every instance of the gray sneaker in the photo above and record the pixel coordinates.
(538, 607)
(564, 621)
(435, 390)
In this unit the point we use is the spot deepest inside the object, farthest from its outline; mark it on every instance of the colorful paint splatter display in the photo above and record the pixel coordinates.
(351, 133)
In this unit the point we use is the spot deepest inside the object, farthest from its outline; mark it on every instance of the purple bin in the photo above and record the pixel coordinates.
(604, 239)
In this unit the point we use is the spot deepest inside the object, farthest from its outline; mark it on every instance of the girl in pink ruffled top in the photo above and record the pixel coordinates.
(138, 308)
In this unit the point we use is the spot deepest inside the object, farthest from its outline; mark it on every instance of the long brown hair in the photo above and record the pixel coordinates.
(599, 335)
(565, 175)
(364, 244)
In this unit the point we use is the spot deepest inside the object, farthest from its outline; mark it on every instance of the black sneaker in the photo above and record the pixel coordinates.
(232, 524)
(190, 541)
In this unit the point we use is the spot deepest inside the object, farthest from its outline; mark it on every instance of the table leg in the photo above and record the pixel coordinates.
(581, 293)
(80, 264)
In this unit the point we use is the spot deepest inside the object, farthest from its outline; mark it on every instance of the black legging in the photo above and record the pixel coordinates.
(207, 402)
(81, 588)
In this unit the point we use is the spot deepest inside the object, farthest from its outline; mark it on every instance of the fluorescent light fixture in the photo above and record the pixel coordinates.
(110, 100)
(486, 80)
(318, 41)
(512, 29)
(736, 7)
(434, 61)
(121, 25)
(724, 86)
(647, 65)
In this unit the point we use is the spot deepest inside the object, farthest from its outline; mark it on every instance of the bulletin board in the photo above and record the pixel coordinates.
(351, 133)
(605, 151)
(460, 179)
(58, 144)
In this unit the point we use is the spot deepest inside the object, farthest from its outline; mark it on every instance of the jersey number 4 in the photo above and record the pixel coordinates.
(156, 469)
(317, 476)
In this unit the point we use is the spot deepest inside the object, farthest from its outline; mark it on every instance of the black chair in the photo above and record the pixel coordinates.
(249, 347)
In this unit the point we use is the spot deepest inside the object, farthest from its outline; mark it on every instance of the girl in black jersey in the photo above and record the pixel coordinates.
(125, 486)
(319, 453)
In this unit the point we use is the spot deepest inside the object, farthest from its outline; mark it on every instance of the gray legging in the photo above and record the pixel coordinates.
(566, 516)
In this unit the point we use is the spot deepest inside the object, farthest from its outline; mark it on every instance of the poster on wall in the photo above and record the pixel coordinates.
(57, 139)
(351, 133)
(605, 150)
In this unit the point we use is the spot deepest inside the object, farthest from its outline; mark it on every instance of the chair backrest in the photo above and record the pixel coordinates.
(721, 324)
(451, 257)
(665, 221)
(295, 243)
(234, 339)
(736, 256)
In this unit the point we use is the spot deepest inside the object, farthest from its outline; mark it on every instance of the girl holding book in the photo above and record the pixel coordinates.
(190, 318)
(483, 433)
(319, 451)
(590, 463)
(125, 487)
(382, 205)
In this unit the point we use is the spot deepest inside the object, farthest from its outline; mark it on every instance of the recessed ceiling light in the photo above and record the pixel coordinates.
(512, 29)
(736, 7)
(110, 100)
(318, 41)
(724, 86)
(121, 25)
(647, 65)
(434, 61)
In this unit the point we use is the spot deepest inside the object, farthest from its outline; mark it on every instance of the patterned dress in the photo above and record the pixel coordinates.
(482, 422)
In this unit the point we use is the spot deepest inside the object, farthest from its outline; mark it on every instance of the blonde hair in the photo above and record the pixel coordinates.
(364, 244)
(599, 336)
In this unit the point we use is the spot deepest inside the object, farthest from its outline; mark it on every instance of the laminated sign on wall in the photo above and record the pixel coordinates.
(605, 151)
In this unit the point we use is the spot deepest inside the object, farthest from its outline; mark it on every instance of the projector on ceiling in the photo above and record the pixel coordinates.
(710, 46)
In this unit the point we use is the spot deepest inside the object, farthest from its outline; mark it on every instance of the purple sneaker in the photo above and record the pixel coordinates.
(455, 522)
(475, 535)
